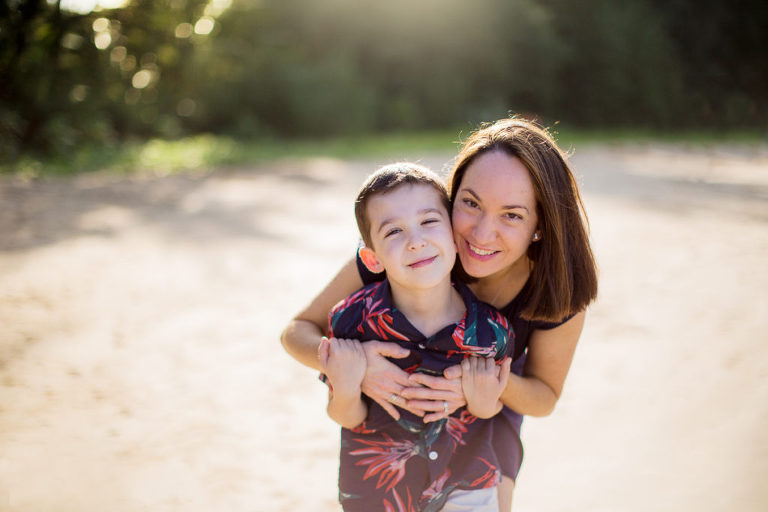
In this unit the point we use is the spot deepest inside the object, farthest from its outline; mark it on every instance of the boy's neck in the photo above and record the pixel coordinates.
(430, 309)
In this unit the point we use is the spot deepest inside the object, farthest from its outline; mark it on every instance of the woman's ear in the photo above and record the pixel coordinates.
(370, 260)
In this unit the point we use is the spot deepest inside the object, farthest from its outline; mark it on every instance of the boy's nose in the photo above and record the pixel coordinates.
(416, 242)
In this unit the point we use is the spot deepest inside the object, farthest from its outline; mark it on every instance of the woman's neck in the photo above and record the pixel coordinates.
(501, 288)
(430, 309)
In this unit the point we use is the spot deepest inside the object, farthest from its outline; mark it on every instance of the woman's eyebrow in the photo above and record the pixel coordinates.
(505, 207)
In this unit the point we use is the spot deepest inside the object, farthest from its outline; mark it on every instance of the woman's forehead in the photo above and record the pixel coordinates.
(499, 177)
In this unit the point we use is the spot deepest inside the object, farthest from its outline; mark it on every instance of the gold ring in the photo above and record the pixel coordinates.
(393, 397)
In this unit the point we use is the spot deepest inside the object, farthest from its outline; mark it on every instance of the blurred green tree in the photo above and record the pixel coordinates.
(288, 68)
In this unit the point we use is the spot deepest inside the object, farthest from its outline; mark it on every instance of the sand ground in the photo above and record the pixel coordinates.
(140, 366)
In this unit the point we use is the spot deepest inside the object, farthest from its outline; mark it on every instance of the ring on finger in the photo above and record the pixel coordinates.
(393, 397)
(445, 406)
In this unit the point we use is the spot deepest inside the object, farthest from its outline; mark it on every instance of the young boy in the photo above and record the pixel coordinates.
(402, 212)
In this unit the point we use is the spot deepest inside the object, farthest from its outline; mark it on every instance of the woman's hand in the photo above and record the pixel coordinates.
(384, 381)
(435, 397)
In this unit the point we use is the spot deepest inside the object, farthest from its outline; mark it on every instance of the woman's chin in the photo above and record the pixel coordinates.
(478, 269)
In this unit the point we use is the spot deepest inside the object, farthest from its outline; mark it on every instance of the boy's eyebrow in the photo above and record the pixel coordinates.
(423, 211)
(505, 207)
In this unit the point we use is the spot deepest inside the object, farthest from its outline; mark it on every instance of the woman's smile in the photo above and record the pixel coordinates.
(477, 252)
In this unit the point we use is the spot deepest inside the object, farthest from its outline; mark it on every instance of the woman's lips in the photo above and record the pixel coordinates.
(478, 253)
(422, 263)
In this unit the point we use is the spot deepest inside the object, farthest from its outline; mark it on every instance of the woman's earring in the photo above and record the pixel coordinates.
(536, 237)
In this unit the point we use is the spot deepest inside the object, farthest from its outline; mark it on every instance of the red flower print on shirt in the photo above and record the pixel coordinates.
(402, 506)
(488, 479)
(379, 320)
(457, 426)
(388, 458)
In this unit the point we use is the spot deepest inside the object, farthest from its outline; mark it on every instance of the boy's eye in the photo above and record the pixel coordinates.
(430, 221)
(391, 232)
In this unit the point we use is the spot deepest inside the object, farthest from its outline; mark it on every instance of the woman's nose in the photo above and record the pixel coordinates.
(484, 231)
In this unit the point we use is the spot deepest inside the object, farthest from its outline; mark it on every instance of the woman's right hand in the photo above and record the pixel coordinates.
(383, 379)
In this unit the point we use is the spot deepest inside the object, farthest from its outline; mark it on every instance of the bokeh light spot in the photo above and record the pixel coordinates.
(183, 30)
(78, 93)
(100, 25)
(128, 63)
(102, 40)
(71, 41)
(186, 107)
(141, 79)
(204, 26)
(118, 54)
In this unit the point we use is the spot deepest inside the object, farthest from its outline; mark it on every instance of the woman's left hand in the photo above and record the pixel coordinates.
(438, 397)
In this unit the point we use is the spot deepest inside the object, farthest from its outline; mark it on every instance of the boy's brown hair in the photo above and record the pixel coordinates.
(388, 178)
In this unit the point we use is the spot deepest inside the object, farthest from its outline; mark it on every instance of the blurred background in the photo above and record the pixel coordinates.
(141, 304)
(80, 73)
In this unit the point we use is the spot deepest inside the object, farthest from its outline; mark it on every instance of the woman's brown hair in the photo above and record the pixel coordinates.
(563, 278)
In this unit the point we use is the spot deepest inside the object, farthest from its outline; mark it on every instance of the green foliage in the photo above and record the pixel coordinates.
(293, 68)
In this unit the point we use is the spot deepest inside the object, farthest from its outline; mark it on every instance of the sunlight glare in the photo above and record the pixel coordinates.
(87, 6)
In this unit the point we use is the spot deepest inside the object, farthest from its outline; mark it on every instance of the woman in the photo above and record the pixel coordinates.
(520, 231)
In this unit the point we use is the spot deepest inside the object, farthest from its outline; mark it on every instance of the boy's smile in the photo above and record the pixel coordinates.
(411, 235)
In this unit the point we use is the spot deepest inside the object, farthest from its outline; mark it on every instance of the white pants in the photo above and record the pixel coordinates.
(481, 500)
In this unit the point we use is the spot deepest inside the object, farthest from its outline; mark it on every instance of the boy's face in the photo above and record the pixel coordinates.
(412, 236)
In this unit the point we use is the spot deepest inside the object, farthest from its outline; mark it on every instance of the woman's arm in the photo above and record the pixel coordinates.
(301, 339)
(550, 353)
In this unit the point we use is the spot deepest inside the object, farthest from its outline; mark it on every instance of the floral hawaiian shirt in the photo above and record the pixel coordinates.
(407, 465)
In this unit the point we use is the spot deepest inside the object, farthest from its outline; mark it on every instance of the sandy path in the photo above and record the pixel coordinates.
(140, 367)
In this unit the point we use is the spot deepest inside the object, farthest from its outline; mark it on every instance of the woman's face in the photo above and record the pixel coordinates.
(494, 214)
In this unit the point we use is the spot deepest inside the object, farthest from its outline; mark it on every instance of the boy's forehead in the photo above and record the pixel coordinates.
(405, 199)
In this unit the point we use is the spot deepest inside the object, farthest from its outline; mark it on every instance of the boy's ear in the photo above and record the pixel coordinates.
(370, 260)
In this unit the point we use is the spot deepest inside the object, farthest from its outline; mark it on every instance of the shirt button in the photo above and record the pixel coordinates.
(433, 455)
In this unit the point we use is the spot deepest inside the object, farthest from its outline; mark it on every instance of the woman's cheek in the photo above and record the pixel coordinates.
(460, 223)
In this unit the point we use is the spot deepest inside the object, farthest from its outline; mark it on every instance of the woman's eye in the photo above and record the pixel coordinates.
(512, 216)
(470, 202)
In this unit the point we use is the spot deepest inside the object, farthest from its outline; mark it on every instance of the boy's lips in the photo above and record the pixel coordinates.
(422, 263)
(478, 253)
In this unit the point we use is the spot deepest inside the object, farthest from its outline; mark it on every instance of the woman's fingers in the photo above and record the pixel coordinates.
(383, 377)
(391, 410)
(441, 409)
(427, 394)
(434, 382)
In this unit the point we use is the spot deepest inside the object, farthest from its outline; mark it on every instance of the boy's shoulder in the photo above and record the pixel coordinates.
(357, 305)
(359, 299)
